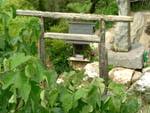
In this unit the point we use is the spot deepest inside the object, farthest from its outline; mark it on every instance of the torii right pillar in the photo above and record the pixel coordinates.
(122, 39)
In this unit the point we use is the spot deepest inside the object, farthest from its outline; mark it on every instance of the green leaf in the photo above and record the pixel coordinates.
(93, 96)
(15, 40)
(13, 99)
(51, 77)
(30, 70)
(9, 79)
(114, 105)
(6, 64)
(20, 82)
(44, 102)
(18, 59)
(98, 82)
(57, 110)
(23, 85)
(14, 14)
(86, 109)
(66, 100)
(79, 94)
(2, 43)
(53, 97)
(118, 90)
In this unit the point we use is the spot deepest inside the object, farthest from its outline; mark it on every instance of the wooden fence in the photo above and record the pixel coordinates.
(103, 62)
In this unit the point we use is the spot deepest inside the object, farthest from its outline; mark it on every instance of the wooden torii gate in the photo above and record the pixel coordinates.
(103, 57)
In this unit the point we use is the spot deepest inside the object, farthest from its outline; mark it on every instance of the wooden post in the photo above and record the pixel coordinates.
(103, 57)
(41, 44)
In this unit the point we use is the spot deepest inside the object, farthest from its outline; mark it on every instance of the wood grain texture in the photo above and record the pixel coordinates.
(103, 57)
(80, 16)
(41, 44)
(73, 37)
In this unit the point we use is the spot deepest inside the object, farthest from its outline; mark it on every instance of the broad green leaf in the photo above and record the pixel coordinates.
(35, 95)
(18, 59)
(86, 109)
(57, 110)
(118, 90)
(15, 40)
(53, 97)
(93, 96)
(22, 83)
(51, 77)
(9, 79)
(13, 99)
(30, 70)
(98, 82)
(114, 105)
(44, 101)
(79, 94)
(66, 100)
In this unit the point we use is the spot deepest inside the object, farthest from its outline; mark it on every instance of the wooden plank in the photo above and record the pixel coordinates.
(73, 37)
(103, 57)
(80, 16)
(41, 44)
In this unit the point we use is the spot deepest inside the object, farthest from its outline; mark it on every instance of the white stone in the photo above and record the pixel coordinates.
(92, 70)
(137, 75)
(144, 83)
(121, 75)
(142, 87)
(147, 69)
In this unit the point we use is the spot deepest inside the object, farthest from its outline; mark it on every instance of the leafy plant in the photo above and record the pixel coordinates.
(27, 87)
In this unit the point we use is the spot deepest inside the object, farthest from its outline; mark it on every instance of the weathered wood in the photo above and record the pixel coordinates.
(41, 44)
(103, 57)
(58, 15)
(73, 37)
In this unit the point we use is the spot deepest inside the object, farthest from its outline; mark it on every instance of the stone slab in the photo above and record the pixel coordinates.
(132, 59)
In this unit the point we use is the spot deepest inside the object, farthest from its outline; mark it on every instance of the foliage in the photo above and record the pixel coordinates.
(141, 5)
(59, 52)
(61, 27)
(80, 7)
(27, 87)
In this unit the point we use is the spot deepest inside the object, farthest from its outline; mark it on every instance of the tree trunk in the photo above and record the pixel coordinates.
(93, 6)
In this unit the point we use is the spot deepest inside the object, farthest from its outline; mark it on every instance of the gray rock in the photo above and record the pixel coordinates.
(122, 37)
(137, 24)
(147, 69)
(132, 59)
(142, 87)
(137, 75)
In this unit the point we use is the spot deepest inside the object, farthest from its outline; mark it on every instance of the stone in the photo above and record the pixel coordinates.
(137, 75)
(77, 65)
(92, 70)
(122, 36)
(147, 69)
(138, 23)
(142, 87)
(132, 59)
(121, 75)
